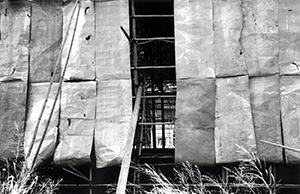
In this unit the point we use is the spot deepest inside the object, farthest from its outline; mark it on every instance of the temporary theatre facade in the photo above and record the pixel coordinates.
(216, 75)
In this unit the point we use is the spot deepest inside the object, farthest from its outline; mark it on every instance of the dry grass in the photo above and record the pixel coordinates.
(16, 178)
(250, 176)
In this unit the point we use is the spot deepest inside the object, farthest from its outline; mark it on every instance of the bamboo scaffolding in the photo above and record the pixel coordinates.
(59, 87)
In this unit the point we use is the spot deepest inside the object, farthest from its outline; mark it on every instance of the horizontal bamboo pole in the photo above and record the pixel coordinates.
(158, 123)
(154, 67)
(152, 16)
(159, 96)
(154, 38)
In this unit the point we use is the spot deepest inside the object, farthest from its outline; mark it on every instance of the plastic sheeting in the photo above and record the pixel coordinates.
(81, 64)
(289, 27)
(250, 38)
(234, 124)
(195, 113)
(290, 104)
(12, 117)
(78, 104)
(112, 46)
(194, 39)
(14, 40)
(46, 36)
(37, 95)
(114, 109)
(265, 106)
(228, 24)
(260, 35)
(114, 96)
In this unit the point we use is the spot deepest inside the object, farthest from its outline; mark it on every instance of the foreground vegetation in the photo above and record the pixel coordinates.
(16, 178)
(250, 176)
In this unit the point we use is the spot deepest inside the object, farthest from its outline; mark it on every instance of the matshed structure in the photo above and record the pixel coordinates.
(211, 75)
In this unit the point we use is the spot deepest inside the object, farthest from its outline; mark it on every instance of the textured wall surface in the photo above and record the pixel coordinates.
(114, 100)
(237, 69)
(14, 47)
(37, 94)
(255, 63)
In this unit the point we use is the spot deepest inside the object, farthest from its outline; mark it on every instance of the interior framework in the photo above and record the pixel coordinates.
(153, 67)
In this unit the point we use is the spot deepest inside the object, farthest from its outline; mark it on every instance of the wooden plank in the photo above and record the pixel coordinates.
(121, 187)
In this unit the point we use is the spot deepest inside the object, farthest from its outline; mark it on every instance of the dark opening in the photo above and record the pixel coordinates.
(153, 66)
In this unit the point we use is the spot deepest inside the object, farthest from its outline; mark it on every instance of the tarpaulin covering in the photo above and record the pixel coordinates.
(259, 37)
(14, 40)
(194, 39)
(234, 125)
(290, 106)
(114, 108)
(81, 64)
(195, 113)
(37, 95)
(12, 117)
(228, 24)
(250, 38)
(289, 27)
(112, 46)
(114, 97)
(46, 37)
(78, 104)
(265, 106)
(219, 43)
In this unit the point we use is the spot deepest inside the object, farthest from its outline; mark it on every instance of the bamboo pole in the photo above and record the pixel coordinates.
(123, 176)
(50, 85)
(281, 146)
(58, 89)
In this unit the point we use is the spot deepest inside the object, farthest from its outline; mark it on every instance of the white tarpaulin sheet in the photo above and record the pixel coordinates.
(234, 123)
(114, 97)
(45, 39)
(12, 117)
(114, 109)
(265, 106)
(78, 105)
(194, 39)
(37, 95)
(81, 64)
(290, 106)
(195, 121)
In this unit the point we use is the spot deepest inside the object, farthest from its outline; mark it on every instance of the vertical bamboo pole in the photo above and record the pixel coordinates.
(123, 176)
(134, 48)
